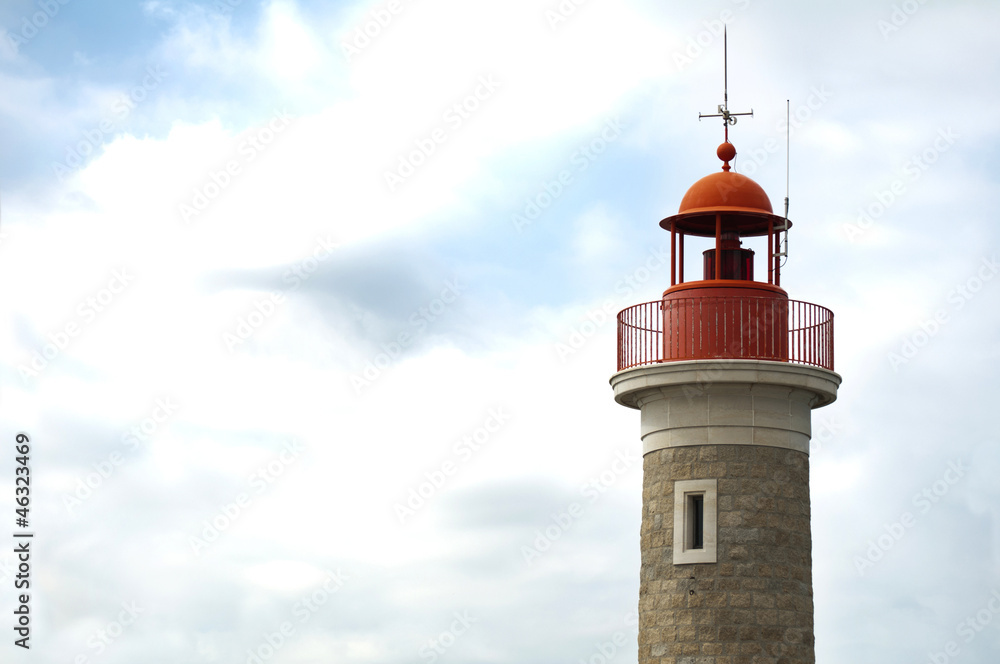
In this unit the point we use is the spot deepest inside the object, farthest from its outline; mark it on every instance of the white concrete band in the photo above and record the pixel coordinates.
(725, 402)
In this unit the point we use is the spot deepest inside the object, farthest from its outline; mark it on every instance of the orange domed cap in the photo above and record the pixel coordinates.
(725, 190)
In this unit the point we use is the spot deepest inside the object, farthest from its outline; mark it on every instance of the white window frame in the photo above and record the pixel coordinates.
(683, 525)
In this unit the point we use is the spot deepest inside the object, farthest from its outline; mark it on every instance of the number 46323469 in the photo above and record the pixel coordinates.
(23, 473)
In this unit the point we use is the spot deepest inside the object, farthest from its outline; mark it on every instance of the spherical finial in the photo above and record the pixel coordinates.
(726, 152)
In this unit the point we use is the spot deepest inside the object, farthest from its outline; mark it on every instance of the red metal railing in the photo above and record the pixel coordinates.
(725, 327)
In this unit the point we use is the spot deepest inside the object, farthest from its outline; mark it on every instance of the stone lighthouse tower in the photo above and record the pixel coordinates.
(725, 370)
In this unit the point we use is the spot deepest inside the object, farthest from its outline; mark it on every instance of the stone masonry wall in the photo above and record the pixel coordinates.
(754, 606)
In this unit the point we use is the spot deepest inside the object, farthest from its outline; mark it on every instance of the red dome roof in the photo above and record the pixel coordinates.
(725, 189)
(738, 201)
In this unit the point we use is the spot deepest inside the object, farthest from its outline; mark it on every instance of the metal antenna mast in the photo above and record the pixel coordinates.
(724, 113)
(788, 150)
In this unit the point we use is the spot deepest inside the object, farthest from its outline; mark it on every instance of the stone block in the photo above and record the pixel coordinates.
(708, 453)
(734, 518)
(687, 633)
(740, 600)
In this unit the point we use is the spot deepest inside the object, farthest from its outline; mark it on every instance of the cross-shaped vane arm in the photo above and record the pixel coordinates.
(728, 118)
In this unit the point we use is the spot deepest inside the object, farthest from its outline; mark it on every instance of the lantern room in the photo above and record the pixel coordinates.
(728, 207)
(737, 308)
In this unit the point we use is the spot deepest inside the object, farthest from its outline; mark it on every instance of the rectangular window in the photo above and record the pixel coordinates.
(695, 521)
(695, 518)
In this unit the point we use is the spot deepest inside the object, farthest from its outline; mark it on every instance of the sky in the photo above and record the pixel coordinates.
(308, 317)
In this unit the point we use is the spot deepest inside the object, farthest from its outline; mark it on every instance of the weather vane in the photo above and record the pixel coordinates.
(728, 118)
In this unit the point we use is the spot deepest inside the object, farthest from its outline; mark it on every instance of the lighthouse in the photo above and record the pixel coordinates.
(725, 370)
